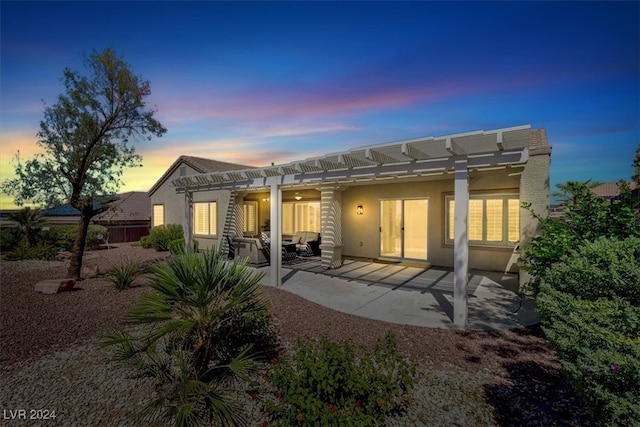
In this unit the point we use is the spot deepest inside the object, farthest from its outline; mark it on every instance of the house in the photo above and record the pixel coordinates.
(610, 190)
(451, 200)
(127, 219)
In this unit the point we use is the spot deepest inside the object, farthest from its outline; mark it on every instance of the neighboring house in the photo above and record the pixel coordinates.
(450, 201)
(607, 190)
(610, 190)
(127, 220)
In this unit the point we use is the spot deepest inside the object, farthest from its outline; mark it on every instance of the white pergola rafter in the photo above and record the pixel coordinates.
(420, 155)
(423, 157)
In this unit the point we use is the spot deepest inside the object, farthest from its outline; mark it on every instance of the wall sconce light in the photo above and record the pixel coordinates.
(359, 210)
(265, 199)
(298, 196)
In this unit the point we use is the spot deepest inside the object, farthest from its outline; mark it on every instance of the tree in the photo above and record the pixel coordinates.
(85, 136)
(571, 191)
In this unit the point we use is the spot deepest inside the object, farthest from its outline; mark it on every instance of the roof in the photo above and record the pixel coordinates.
(130, 206)
(610, 189)
(200, 164)
(420, 156)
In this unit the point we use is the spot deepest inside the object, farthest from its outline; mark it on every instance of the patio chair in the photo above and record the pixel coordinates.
(232, 253)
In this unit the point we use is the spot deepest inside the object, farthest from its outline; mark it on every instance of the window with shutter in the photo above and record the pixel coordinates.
(205, 218)
(158, 215)
(493, 219)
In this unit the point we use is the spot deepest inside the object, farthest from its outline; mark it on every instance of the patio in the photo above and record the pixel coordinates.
(406, 294)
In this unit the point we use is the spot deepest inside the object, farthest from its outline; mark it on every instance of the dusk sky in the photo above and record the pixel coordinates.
(256, 83)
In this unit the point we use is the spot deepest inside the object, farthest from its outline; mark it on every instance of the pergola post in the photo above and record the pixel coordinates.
(188, 220)
(331, 226)
(461, 243)
(276, 234)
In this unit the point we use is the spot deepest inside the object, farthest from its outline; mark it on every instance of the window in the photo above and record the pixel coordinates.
(158, 215)
(250, 217)
(205, 218)
(493, 219)
(300, 216)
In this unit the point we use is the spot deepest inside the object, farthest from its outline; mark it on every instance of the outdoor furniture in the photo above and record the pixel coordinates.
(305, 240)
(250, 247)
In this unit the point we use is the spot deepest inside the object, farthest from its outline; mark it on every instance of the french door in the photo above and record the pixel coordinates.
(403, 228)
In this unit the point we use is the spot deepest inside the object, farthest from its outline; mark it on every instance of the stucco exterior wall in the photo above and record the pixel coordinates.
(174, 209)
(361, 233)
(173, 203)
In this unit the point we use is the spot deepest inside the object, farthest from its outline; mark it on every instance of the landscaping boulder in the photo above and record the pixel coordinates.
(55, 286)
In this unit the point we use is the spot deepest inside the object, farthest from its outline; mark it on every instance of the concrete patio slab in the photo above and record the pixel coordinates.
(409, 295)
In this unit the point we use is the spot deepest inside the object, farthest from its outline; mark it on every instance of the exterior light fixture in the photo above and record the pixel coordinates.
(298, 196)
(265, 199)
(359, 210)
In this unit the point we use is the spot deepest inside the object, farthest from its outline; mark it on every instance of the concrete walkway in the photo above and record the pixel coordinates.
(408, 295)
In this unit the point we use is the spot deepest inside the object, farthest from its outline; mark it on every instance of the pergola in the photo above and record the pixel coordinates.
(456, 154)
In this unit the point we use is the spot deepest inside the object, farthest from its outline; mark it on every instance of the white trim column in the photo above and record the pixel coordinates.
(331, 227)
(188, 220)
(461, 243)
(276, 234)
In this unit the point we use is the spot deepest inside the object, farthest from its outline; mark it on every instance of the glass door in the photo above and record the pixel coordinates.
(403, 228)
(391, 228)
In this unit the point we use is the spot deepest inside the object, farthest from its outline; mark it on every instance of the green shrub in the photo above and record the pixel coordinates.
(332, 384)
(65, 236)
(24, 251)
(10, 238)
(161, 236)
(177, 246)
(123, 274)
(182, 340)
(606, 268)
(145, 241)
(598, 343)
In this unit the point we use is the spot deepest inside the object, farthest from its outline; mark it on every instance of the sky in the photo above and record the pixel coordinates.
(255, 83)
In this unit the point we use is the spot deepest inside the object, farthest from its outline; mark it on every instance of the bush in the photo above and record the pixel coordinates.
(606, 268)
(122, 275)
(177, 247)
(589, 305)
(328, 384)
(145, 241)
(24, 251)
(10, 238)
(65, 236)
(184, 344)
(598, 343)
(161, 236)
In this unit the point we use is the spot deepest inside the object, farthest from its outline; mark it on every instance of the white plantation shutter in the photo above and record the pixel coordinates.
(494, 209)
(158, 215)
(287, 218)
(250, 217)
(492, 219)
(476, 213)
(205, 218)
(300, 216)
(513, 221)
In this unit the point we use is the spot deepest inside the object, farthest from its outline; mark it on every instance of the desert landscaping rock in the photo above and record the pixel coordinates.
(50, 359)
(54, 286)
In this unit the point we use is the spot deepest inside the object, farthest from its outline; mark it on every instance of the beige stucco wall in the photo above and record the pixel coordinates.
(174, 211)
(361, 236)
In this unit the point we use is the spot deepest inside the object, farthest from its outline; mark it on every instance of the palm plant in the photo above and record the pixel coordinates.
(571, 191)
(30, 221)
(180, 343)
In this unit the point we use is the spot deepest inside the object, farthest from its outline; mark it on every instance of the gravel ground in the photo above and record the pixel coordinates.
(50, 361)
